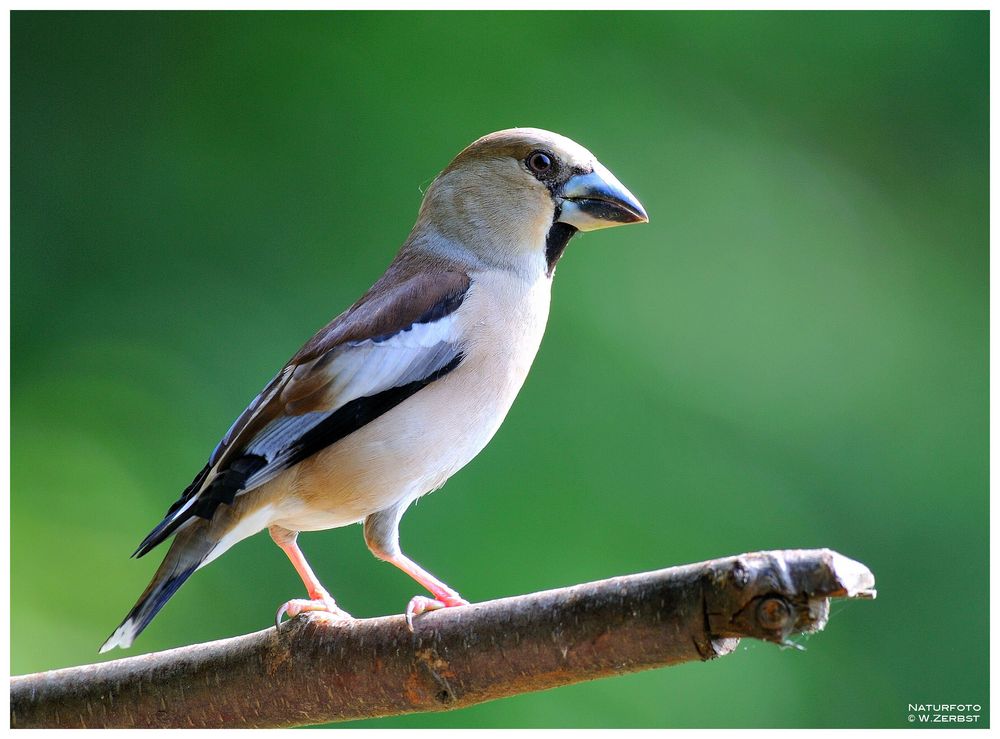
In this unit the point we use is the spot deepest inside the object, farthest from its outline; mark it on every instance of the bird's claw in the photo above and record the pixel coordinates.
(421, 604)
(300, 605)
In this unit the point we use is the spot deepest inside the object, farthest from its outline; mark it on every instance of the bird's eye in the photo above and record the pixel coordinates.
(539, 162)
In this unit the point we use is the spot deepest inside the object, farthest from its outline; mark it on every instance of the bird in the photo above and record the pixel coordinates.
(404, 388)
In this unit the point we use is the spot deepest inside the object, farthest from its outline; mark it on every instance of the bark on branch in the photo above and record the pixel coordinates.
(316, 670)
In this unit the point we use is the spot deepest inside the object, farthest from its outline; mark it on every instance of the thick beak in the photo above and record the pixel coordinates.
(598, 200)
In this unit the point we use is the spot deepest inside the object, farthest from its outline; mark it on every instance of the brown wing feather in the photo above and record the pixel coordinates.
(401, 297)
(407, 293)
(404, 295)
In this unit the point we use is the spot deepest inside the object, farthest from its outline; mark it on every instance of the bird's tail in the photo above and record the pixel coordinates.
(188, 551)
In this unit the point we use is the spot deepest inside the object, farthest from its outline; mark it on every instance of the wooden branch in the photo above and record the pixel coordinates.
(317, 670)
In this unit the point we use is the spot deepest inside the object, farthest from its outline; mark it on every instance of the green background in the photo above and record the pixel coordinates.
(792, 353)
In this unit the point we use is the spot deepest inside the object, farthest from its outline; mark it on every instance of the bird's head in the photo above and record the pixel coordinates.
(515, 197)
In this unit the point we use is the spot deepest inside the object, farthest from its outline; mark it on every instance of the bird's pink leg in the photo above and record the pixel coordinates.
(319, 598)
(444, 597)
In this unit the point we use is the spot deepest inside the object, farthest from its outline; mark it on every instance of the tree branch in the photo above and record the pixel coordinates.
(317, 670)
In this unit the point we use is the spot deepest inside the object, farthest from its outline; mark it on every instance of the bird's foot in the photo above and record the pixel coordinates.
(421, 604)
(300, 605)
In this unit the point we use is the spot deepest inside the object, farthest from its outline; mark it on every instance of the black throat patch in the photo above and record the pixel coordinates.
(555, 243)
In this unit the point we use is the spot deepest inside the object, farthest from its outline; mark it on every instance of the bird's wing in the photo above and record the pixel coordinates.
(396, 340)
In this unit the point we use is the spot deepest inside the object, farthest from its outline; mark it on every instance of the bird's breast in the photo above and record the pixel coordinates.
(415, 447)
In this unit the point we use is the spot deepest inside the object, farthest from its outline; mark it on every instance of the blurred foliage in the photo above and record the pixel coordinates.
(792, 354)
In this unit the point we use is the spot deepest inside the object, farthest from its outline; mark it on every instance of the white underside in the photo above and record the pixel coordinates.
(414, 448)
(248, 526)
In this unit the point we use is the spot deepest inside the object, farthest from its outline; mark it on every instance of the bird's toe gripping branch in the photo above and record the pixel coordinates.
(300, 605)
(421, 604)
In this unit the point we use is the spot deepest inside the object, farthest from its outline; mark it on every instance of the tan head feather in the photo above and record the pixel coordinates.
(487, 204)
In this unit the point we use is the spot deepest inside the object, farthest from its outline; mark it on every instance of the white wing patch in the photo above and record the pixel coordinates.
(363, 368)
(356, 370)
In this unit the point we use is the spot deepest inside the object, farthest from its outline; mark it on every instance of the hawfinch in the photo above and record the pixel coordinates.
(405, 387)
